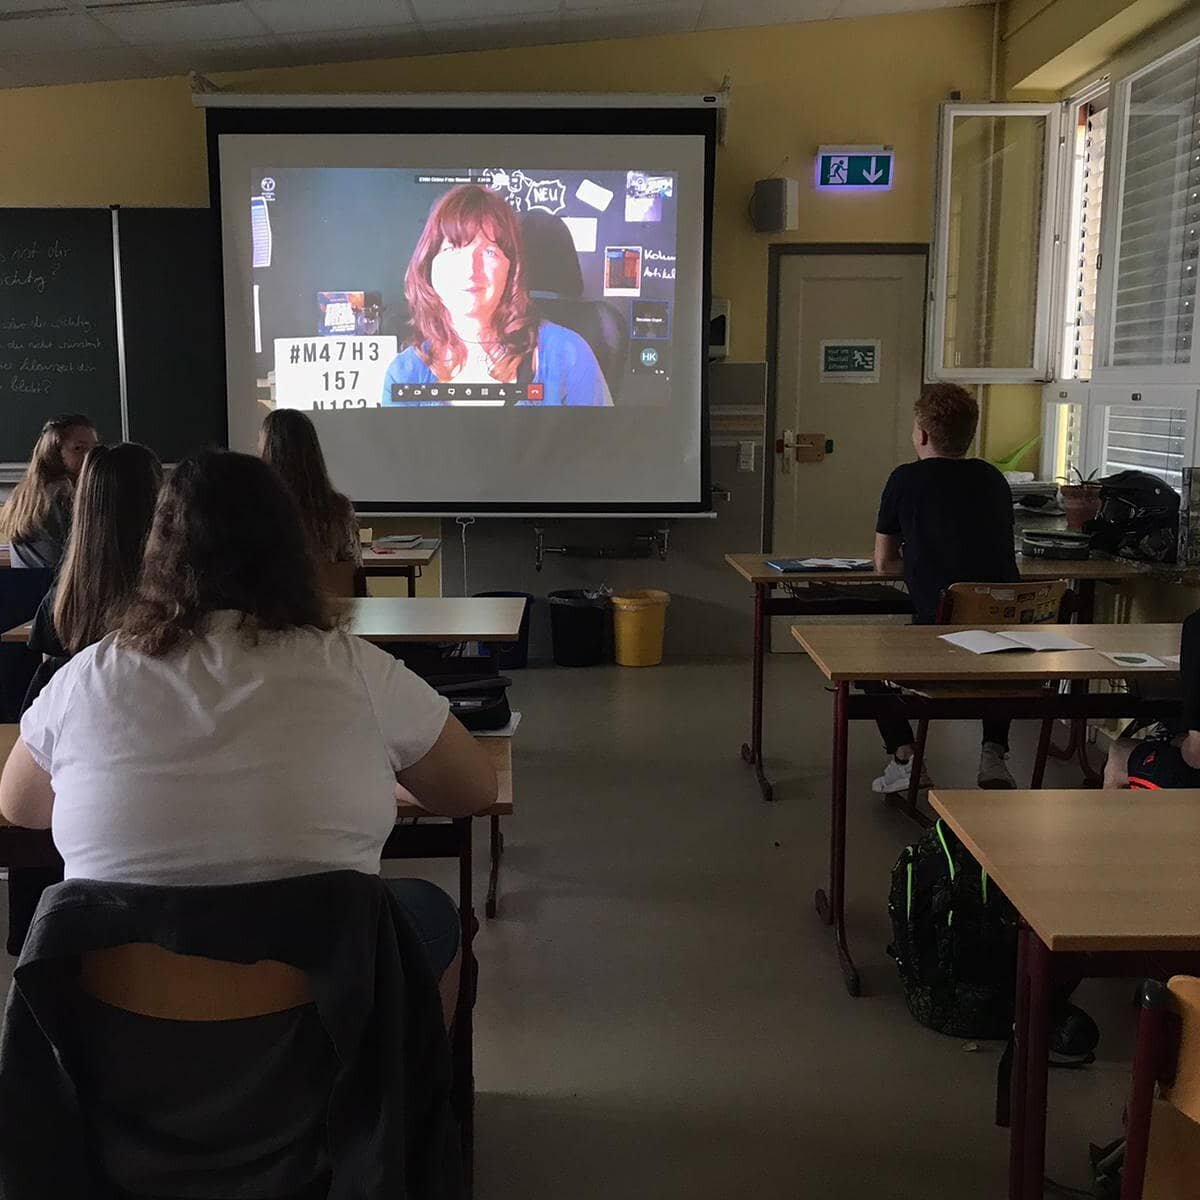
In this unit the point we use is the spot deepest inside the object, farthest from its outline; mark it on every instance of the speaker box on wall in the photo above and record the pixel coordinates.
(775, 205)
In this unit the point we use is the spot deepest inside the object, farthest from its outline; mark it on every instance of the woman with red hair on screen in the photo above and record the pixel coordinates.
(471, 316)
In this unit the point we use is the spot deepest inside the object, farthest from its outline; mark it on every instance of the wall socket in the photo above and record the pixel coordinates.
(745, 456)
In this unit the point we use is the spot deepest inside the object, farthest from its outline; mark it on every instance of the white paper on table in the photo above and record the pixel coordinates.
(1132, 658)
(1173, 659)
(979, 641)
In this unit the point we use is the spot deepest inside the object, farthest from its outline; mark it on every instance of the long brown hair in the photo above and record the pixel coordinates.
(288, 442)
(456, 218)
(114, 505)
(45, 478)
(227, 534)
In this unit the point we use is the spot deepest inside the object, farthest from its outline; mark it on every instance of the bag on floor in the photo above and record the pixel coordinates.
(954, 939)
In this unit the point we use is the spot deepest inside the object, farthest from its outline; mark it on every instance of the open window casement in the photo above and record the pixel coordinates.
(995, 241)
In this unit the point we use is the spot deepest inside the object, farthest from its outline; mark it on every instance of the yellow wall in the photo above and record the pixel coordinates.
(874, 80)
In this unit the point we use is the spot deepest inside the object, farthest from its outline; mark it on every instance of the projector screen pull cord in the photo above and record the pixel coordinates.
(462, 523)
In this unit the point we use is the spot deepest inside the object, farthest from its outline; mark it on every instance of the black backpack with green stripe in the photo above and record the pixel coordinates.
(954, 939)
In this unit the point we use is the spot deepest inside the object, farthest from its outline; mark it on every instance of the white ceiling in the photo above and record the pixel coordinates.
(78, 41)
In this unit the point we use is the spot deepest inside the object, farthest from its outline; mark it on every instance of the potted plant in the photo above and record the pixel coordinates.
(1081, 499)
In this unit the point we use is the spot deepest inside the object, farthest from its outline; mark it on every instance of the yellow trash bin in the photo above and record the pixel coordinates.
(639, 620)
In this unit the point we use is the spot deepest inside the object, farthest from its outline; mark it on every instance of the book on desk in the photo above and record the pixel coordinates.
(799, 566)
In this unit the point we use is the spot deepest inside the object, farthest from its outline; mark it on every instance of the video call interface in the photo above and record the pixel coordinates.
(382, 287)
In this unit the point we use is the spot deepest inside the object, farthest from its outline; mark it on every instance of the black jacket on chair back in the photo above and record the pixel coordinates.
(389, 1129)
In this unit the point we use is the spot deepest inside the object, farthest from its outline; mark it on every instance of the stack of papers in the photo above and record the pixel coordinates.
(980, 642)
(787, 565)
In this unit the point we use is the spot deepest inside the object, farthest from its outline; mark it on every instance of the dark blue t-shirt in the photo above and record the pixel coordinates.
(954, 518)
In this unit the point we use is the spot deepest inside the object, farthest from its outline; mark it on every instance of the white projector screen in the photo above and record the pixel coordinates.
(476, 321)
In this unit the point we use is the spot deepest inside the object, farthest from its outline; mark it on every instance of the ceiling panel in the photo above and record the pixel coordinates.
(483, 11)
(45, 35)
(586, 24)
(235, 54)
(453, 37)
(160, 24)
(729, 14)
(52, 41)
(303, 16)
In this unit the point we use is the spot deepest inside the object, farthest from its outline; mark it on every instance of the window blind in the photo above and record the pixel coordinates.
(1158, 241)
(1153, 440)
(1093, 130)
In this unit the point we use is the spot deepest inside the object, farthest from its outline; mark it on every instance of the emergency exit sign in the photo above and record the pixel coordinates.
(855, 169)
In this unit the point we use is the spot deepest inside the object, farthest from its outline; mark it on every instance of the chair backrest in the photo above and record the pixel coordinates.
(1162, 1151)
(153, 982)
(21, 591)
(1004, 604)
(1184, 1092)
(342, 579)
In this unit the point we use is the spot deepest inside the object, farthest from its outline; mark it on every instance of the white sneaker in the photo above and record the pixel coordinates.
(993, 771)
(896, 777)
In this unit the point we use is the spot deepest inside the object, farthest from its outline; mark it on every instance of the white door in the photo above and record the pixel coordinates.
(848, 367)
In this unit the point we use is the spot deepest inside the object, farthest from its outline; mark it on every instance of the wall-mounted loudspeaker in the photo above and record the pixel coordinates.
(775, 205)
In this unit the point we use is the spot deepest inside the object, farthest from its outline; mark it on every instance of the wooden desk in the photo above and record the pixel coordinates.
(386, 619)
(1103, 880)
(753, 568)
(407, 563)
(915, 653)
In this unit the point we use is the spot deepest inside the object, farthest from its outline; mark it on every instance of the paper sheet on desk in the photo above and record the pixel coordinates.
(1132, 658)
(979, 641)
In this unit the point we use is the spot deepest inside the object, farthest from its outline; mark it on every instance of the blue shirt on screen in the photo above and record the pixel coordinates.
(566, 368)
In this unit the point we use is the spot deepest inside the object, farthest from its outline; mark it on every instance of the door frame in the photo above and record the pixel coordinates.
(778, 251)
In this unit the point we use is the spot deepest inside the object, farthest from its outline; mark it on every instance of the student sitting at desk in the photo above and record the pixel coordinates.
(289, 443)
(114, 505)
(944, 519)
(231, 731)
(37, 517)
(1159, 763)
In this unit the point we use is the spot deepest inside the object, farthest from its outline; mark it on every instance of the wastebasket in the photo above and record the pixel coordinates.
(639, 621)
(511, 655)
(577, 627)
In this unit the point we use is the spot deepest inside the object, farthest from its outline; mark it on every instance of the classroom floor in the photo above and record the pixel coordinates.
(660, 1013)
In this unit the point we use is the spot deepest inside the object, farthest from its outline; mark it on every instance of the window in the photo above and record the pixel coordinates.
(989, 292)
(1081, 252)
(1154, 242)
(1064, 430)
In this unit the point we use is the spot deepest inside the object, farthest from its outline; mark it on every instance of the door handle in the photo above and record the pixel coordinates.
(785, 447)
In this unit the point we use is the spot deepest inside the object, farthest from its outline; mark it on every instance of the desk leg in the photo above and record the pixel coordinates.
(412, 581)
(464, 1030)
(752, 751)
(831, 907)
(1027, 1157)
(1076, 747)
(497, 849)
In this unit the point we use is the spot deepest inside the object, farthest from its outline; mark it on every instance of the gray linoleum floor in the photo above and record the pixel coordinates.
(660, 1013)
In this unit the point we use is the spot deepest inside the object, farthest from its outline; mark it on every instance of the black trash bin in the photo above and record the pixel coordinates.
(578, 627)
(511, 656)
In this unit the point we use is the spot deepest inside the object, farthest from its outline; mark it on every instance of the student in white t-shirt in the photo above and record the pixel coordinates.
(230, 731)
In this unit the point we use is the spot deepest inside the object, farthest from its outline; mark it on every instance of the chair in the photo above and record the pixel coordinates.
(342, 579)
(992, 604)
(554, 280)
(21, 591)
(1162, 1148)
(229, 1029)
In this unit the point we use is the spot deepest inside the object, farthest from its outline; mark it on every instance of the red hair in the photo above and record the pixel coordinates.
(457, 218)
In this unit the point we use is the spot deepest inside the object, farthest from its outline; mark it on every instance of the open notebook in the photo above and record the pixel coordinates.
(797, 566)
(979, 641)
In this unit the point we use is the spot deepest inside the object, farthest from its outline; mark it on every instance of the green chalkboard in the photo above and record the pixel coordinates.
(58, 323)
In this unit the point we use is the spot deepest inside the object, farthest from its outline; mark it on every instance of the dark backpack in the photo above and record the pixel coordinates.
(954, 939)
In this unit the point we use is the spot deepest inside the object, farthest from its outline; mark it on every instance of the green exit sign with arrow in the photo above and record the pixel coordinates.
(855, 169)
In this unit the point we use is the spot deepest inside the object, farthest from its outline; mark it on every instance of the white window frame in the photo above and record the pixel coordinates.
(1104, 397)
(1064, 254)
(1103, 372)
(1043, 366)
